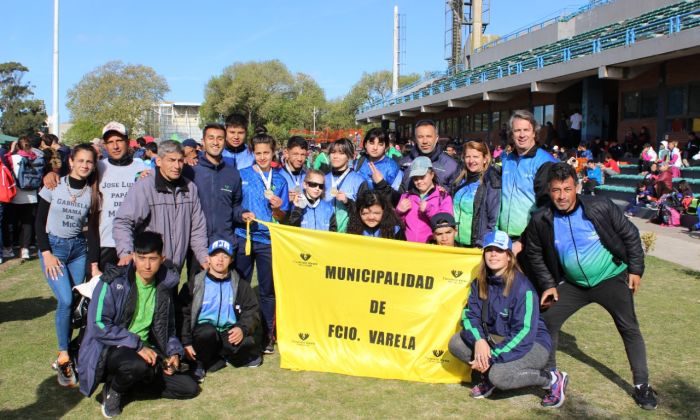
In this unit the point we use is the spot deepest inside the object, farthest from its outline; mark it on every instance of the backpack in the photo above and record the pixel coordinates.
(8, 190)
(30, 173)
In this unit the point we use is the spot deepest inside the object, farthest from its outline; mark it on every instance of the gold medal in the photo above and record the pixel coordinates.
(334, 192)
(268, 194)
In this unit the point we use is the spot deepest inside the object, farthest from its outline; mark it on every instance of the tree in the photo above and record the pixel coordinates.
(117, 92)
(82, 131)
(20, 114)
(371, 87)
(267, 93)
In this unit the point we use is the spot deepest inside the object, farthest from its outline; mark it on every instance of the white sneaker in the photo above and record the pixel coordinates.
(7, 252)
(24, 253)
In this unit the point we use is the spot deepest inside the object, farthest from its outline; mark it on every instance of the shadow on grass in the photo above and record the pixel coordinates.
(691, 273)
(568, 345)
(679, 397)
(26, 309)
(52, 401)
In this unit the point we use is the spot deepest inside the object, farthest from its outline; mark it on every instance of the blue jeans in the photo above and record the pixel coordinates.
(72, 253)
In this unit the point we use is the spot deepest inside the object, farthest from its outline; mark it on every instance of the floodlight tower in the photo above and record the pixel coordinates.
(464, 19)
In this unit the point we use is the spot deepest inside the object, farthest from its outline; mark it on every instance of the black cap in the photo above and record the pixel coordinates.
(442, 220)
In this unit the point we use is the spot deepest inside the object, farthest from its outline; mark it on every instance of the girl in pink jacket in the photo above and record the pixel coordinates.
(422, 201)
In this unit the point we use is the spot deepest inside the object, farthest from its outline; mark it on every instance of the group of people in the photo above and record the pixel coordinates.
(547, 251)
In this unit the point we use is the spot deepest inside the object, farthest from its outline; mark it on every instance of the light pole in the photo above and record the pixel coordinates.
(55, 119)
(316, 111)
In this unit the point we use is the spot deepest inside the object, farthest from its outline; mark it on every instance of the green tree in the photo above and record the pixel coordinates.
(82, 131)
(117, 92)
(267, 93)
(20, 114)
(370, 87)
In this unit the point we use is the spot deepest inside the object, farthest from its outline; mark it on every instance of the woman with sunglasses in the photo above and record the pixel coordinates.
(310, 210)
(504, 338)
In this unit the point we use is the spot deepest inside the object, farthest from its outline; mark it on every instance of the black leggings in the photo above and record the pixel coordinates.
(615, 296)
(211, 345)
(126, 370)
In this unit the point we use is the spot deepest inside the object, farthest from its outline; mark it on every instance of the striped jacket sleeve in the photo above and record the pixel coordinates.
(523, 328)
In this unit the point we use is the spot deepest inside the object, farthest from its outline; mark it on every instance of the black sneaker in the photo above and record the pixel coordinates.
(270, 347)
(257, 362)
(645, 397)
(111, 402)
(199, 372)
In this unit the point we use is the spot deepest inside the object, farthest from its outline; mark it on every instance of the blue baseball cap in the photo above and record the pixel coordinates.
(499, 239)
(420, 166)
(221, 245)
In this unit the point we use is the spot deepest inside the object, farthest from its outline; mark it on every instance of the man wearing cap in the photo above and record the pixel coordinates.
(446, 168)
(167, 203)
(580, 250)
(444, 229)
(219, 315)
(116, 174)
(523, 179)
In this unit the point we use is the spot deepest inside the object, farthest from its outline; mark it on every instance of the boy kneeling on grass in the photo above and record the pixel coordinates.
(130, 342)
(219, 315)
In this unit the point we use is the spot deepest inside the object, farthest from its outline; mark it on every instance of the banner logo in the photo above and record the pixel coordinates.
(305, 257)
(438, 353)
(457, 273)
(303, 336)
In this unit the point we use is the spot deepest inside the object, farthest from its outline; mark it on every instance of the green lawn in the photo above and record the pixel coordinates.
(668, 307)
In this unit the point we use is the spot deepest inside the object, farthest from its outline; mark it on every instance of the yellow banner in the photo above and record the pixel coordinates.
(367, 306)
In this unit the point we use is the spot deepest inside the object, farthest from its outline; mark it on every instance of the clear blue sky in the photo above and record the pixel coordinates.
(188, 42)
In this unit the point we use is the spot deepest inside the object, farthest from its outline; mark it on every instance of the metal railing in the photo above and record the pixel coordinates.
(593, 42)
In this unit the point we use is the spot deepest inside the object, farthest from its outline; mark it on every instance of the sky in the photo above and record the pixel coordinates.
(188, 42)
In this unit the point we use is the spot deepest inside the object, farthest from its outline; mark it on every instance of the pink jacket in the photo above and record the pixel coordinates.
(418, 223)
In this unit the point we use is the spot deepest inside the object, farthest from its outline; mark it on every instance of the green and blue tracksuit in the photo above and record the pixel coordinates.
(463, 203)
(518, 195)
(586, 262)
(515, 317)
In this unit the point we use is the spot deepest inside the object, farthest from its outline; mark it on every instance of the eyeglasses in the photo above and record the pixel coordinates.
(315, 185)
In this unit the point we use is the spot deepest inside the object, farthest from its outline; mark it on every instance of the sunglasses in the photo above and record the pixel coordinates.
(315, 185)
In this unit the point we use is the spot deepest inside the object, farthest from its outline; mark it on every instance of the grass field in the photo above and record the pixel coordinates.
(591, 351)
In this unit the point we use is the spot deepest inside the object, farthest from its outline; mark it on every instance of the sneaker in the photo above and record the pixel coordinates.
(258, 361)
(199, 372)
(111, 402)
(24, 254)
(7, 252)
(483, 389)
(270, 347)
(65, 374)
(556, 395)
(645, 397)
